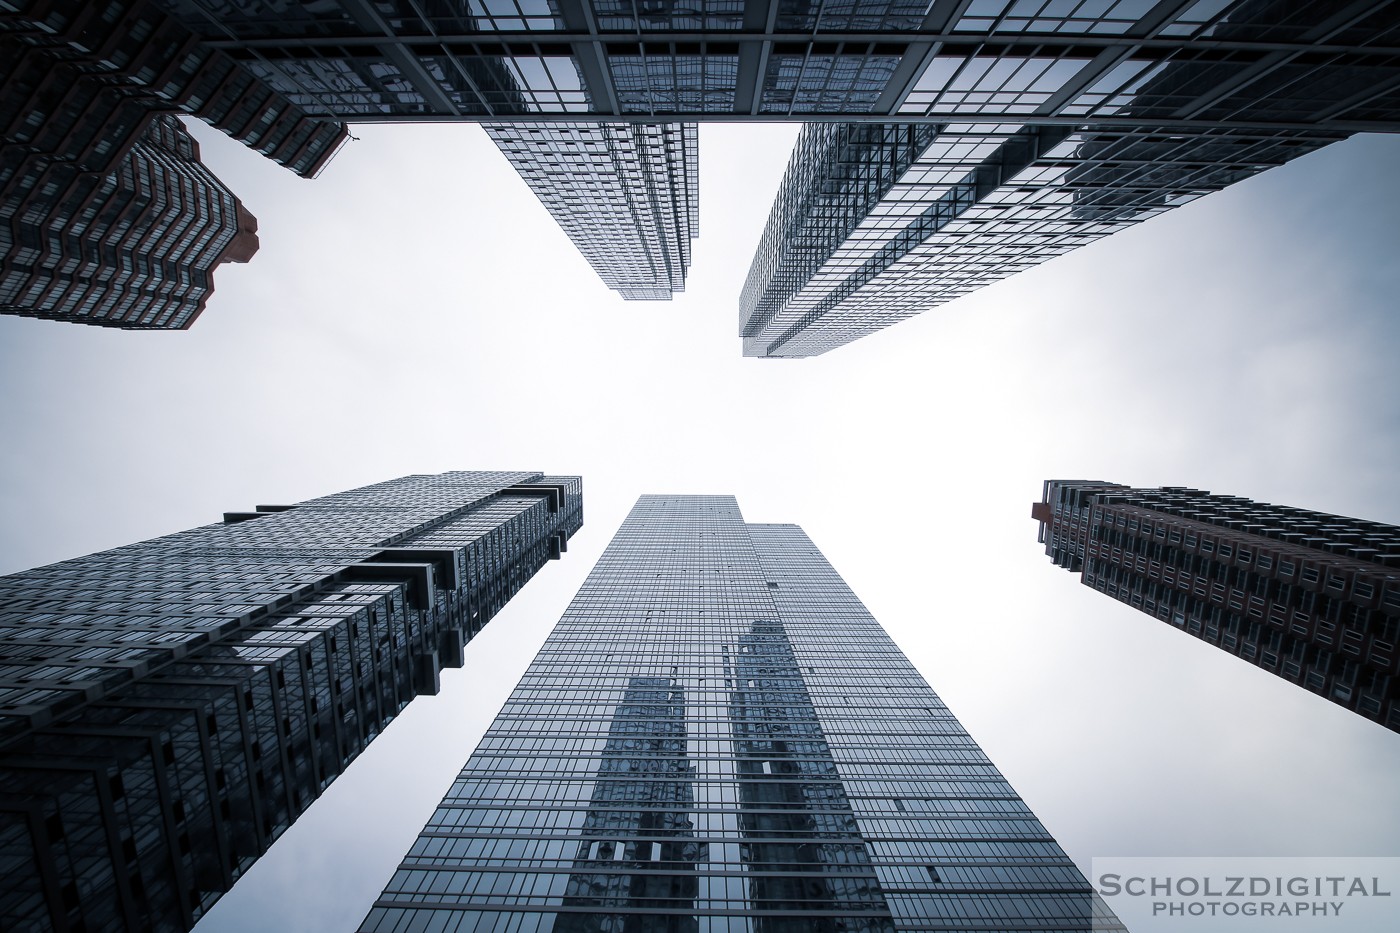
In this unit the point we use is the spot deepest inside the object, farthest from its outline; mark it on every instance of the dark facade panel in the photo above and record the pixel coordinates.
(764, 59)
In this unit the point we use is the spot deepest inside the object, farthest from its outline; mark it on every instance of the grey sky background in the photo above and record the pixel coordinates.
(415, 310)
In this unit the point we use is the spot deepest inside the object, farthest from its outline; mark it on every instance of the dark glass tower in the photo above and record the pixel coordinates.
(1000, 61)
(1311, 597)
(168, 708)
(135, 249)
(719, 737)
(78, 80)
(625, 193)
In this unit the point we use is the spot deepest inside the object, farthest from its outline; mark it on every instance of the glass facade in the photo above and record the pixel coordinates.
(626, 194)
(1308, 596)
(1002, 60)
(875, 223)
(1000, 133)
(168, 708)
(74, 76)
(1038, 153)
(718, 736)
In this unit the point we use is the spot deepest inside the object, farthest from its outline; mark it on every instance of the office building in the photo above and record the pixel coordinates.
(168, 708)
(1311, 597)
(1001, 61)
(718, 736)
(135, 249)
(626, 194)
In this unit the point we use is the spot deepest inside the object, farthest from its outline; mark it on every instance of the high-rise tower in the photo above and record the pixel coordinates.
(1099, 121)
(107, 215)
(625, 193)
(135, 249)
(718, 736)
(168, 708)
(1311, 597)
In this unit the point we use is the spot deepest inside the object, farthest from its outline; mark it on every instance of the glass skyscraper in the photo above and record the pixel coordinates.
(1099, 120)
(1002, 61)
(168, 708)
(719, 737)
(1311, 597)
(625, 193)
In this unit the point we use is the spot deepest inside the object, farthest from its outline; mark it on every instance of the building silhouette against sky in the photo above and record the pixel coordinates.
(627, 195)
(1311, 597)
(718, 736)
(168, 708)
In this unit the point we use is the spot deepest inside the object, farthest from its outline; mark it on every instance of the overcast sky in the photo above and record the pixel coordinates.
(415, 310)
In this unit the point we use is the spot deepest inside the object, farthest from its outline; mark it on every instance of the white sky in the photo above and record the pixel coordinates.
(415, 310)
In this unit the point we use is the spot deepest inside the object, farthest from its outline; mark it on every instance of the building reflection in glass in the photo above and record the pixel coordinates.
(639, 847)
(802, 842)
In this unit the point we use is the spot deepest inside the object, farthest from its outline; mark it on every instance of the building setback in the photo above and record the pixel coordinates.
(135, 249)
(626, 194)
(718, 736)
(168, 708)
(1311, 597)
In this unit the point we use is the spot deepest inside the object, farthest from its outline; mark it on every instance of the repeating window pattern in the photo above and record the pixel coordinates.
(1106, 112)
(976, 204)
(107, 215)
(1309, 596)
(627, 195)
(135, 249)
(718, 737)
(1246, 59)
(168, 708)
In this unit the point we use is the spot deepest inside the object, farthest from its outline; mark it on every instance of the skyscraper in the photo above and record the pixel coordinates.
(107, 215)
(168, 708)
(718, 736)
(1096, 123)
(1000, 61)
(1311, 597)
(135, 249)
(625, 193)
